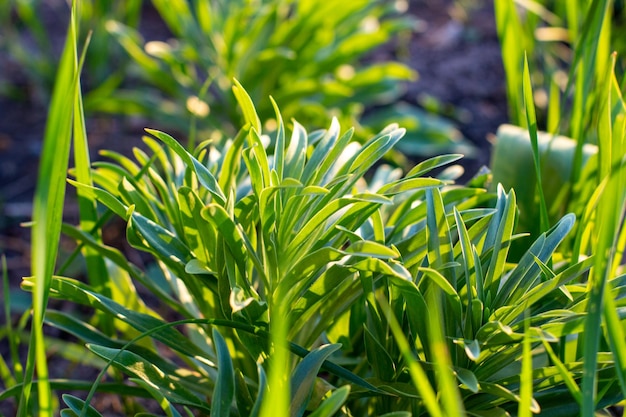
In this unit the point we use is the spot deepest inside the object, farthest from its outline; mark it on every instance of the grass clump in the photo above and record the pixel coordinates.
(400, 289)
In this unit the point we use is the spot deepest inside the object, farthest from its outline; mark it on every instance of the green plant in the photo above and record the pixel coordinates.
(311, 56)
(409, 275)
(571, 175)
(316, 281)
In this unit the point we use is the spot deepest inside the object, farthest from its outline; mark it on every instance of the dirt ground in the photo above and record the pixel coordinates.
(456, 54)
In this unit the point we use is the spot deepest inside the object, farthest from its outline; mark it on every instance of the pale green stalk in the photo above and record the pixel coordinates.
(276, 399)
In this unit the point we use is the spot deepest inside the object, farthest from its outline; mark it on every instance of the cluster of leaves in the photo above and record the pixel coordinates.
(404, 281)
(406, 278)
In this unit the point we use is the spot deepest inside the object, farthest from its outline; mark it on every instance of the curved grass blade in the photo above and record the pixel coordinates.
(531, 123)
(48, 210)
(151, 374)
(245, 102)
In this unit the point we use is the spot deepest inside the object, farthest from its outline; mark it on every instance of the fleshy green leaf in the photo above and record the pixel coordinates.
(245, 102)
(304, 376)
(163, 382)
(76, 406)
(224, 391)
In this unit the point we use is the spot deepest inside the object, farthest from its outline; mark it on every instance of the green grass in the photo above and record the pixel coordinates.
(594, 188)
(47, 217)
(294, 273)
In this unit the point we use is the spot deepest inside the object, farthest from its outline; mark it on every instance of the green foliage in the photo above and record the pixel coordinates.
(568, 47)
(309, 55)
(313, 56)
(408, 277)
(557, 171)
(292, 273)
(583, 175)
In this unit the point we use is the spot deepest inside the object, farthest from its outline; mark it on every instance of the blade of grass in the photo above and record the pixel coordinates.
(446, 381)
(587, 64)
(531, 122)
(48, 212)
(554, 107)
(509, 32)
(616, 114)
(568, 377)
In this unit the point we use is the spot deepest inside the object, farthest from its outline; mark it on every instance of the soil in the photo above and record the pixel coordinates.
(456, 54)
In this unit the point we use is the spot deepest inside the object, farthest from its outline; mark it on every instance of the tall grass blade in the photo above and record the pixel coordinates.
(509, 32)
(615, 113)
(554, 108)
(277, 396)
(531, 123)
(609, 222)
(48, 211)
(589, 62)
